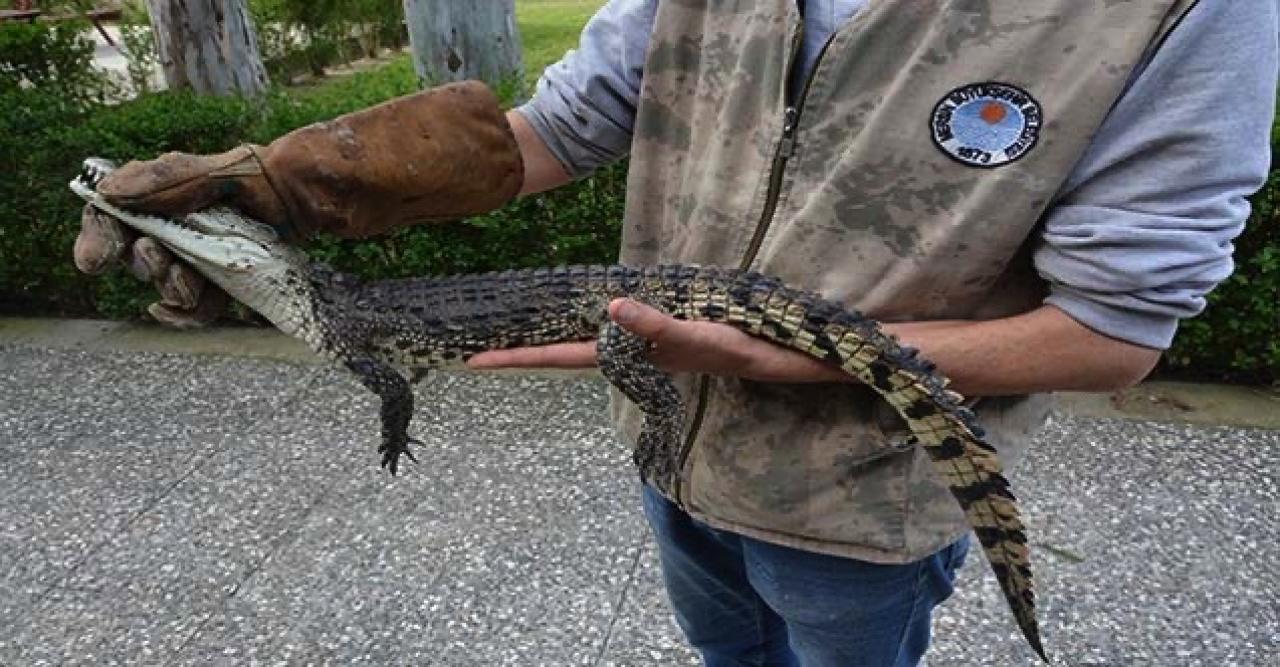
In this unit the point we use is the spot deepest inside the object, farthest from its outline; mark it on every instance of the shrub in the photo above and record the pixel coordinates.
(44, 140)
(307, 35)
(50, 56)
(141, 57)
(580, 224)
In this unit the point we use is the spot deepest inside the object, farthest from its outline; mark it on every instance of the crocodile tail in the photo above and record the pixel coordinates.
(969, 466)
(948, 431)
(972, 472)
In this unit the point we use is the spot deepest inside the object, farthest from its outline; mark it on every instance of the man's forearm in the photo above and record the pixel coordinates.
(1043, 350)
(542, 171)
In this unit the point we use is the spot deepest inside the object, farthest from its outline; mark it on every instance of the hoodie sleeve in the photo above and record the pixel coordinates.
(1144, 225)
(585, 105)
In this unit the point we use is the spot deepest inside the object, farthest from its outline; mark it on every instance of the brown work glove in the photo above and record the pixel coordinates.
(441, 154)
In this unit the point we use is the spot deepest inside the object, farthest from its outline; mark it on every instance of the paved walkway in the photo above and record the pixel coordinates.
(111, 60)
(181, 508)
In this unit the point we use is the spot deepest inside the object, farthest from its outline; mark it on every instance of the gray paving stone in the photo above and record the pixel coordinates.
(57, 395)
(58, 511)
(251, 524)
(127, 529)
(452, 564)
(86, 454)
(1154, 545)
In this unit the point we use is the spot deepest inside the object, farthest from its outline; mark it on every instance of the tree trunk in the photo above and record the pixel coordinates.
(208, 45)
(455, 40)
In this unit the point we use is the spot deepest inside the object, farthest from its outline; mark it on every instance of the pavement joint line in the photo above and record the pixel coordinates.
(279, 543)
(432, 586)
(272, 414)
(620, 603)
(93, 550)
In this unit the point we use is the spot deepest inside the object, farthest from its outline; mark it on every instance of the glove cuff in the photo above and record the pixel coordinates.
(442, 154)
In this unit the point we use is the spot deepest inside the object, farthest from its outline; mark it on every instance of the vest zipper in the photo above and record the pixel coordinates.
(786, 148)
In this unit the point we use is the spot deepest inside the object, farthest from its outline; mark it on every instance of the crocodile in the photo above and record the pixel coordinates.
(384, 331)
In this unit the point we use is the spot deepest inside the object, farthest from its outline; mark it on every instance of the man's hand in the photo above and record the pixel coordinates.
(678, 347)
(187, 300)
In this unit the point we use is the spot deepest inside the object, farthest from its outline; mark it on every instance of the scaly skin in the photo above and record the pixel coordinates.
(375, 328)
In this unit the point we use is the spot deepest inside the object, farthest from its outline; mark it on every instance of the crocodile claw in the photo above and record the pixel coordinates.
(391, 453)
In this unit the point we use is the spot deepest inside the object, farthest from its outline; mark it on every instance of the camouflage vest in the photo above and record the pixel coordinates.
(906, 180)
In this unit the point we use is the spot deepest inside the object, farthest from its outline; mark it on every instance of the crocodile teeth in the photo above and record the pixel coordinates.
(94, 170)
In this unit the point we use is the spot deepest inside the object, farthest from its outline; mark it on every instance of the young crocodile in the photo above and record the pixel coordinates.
(377, 329)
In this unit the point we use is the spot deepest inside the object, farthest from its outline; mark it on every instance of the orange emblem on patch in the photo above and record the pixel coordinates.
(993, 112)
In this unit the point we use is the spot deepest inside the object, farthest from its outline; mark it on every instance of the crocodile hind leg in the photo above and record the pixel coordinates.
(623, 361)
(397, 408)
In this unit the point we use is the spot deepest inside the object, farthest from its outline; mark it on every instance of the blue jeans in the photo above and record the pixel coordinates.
(741, 601)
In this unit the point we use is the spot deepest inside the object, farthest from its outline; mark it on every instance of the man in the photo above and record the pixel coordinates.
(1032, 193)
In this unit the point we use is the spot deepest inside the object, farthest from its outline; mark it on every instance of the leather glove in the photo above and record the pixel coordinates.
(441, 154)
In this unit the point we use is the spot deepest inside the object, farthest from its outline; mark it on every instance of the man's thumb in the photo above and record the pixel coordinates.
(178, 184)
(174, 183)
(637, 317)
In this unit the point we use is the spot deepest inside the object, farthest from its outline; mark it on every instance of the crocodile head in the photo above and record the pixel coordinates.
(244, 257)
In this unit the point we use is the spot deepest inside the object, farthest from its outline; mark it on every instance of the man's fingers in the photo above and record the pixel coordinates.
(174, 183)
(210, 306)
(102, 241)
(180, 287)
(559, 355)
(148, 260)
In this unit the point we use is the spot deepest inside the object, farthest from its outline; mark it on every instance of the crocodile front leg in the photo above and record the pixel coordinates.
(397, 407)
(623, 362)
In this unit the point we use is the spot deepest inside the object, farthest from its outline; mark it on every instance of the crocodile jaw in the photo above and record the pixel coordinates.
(243, 257)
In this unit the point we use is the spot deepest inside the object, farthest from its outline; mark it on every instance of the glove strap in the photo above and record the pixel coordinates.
(242, 167)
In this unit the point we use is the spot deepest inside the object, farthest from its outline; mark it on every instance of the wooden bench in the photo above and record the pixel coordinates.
(96, 15)
(28, 15)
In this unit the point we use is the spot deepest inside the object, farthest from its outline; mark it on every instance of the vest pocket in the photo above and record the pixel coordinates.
(800, 461)
(897, 435)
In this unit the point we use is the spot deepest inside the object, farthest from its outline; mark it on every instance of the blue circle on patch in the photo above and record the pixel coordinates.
(986, 124)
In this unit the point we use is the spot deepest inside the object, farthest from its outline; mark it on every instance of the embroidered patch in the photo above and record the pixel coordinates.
(987, 124)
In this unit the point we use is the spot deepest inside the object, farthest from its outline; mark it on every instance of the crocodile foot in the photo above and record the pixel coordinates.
(392, 448)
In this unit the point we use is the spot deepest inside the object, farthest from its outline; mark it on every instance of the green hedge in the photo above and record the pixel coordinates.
(297, 36)
(45, 135)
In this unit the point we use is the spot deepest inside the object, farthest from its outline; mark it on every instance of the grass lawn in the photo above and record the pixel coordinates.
(549, 28)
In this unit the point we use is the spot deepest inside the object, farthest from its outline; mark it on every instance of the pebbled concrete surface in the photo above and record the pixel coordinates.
(203, 509)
